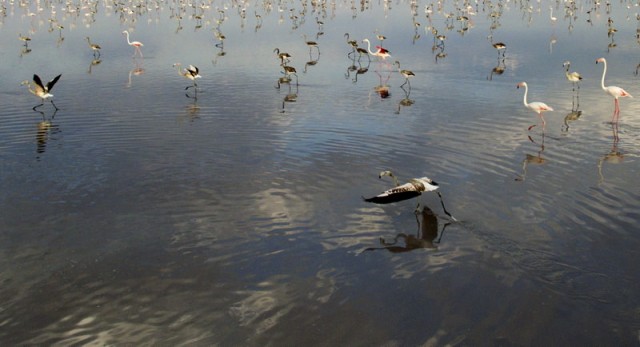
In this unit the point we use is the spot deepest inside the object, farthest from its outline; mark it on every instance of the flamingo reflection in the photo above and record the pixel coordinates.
(614, 156)
(532, 159)
(406, 101)
(45, 129)
(427, 235)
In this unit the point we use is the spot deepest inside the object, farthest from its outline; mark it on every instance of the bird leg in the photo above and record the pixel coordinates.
(36, 106)
(445, 209)
(54, 105)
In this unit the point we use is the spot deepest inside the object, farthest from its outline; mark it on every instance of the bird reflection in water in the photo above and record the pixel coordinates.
(614, 156)
(137, 70)
(427, 236)
(45, 130)
(498, 69)
(532, 159)
(406, 101)
(381, 89)
(291, 96)
(361, 70)
(312, 62)
(93, 63)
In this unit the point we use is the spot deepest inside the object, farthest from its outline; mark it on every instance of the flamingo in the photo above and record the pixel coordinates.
(614, 91)
(406, 73)
(573, 77)
(381, 52)
(24, 39)
(415, 187)
(311, 44)
(94, 47)
(135, 44)
(282, 56)
(536, 106)
(41, 90)
(499, 46)
(191, 73)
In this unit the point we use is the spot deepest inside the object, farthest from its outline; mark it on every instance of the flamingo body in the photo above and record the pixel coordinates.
(380, 52)
(135, 44)
(536, 106)
(615, 91)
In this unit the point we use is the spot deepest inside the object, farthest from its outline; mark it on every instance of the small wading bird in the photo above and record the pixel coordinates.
(406, 73)
(24, 39)
(191, 73)
(615, 92)
(573, 77)
(311, 44)
(415, 187)
(94, 47)
(283, 56)
(536, 106)
(135, 44)
(499, 46)
(41, 90)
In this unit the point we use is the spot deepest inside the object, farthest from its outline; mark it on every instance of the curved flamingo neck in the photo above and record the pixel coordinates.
(524, 99)
(369, 48)
(604, 72)
(127, 33)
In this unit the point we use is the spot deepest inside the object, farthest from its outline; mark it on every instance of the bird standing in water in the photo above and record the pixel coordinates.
(41, 90)
(135, 44)
(536, 106)
(614, 91)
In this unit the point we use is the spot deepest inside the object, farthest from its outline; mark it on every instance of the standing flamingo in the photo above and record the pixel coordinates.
(573, 77)
(536, 106)
(614, 91)
(406, 73)
(381, 52)
(135, 44)
(94, 47)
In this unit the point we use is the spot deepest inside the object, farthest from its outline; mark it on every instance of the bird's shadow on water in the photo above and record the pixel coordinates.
(47, 130)
(427, 236)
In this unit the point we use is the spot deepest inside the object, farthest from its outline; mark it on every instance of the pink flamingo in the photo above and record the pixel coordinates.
(614, 91)
(536, 106)
(135, 44)
(381, 52)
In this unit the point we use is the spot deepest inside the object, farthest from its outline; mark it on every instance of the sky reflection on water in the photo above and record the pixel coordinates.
(137, 214)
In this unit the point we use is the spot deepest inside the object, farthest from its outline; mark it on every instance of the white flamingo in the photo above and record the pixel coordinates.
(614, 91)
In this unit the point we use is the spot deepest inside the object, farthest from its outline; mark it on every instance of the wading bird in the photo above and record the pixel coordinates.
(311, 44)
(24, 39)
(94, 47)
(573, 77)
(41, 90)
(284, 56)
(415, 187)
(406, 73)
(536, 106)
(381, 52)
(191, 73)
(135, 44)
(615, 92)
(499, 46)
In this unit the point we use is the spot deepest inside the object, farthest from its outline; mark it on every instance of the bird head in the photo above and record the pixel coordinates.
(521, 84)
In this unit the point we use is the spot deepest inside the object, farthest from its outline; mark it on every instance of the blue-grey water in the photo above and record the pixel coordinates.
(143, 214)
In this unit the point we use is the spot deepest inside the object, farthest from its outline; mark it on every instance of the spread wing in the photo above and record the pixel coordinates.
(399, 193)
(193, 70)
(52, 82)
(38, 82)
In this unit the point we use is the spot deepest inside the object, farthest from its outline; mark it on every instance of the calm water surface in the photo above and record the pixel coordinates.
(138, 214)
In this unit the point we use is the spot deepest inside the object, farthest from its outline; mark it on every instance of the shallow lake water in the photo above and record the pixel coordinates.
(141, 213)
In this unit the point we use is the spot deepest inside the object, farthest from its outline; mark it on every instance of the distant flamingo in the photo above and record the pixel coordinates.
(381, 52)
(406, 73)
(536, 106)
(573, 77)
(94, 47)
(135, 44)
(614, 91)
